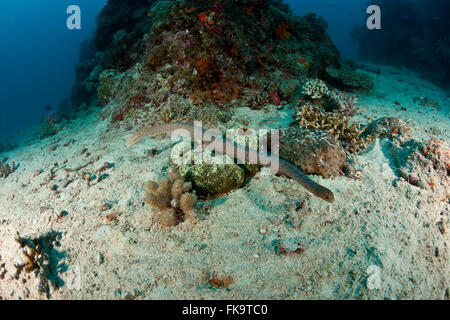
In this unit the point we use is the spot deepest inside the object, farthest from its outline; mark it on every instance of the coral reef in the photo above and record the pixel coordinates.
(43, 259)
(211, 176)
(290, 89)
(215, 54)
(350, 79)
(106, 85)
(50, 127)
(6, 169)
(285, 168)
(350, 135)
(315, 89)
(388, 128)
(257, 101)
(342, 103)
(423, 164)
(173, 198)
(313, 151)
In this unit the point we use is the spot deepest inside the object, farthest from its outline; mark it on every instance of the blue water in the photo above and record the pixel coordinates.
(38, 57)
(340, 15)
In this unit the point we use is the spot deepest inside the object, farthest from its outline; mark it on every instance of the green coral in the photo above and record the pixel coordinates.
(210, 176)
(290, 89)
(160, 12)
(350, 78)
(49, 129)
(105, 89)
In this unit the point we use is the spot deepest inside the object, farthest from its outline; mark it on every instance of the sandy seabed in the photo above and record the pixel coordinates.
(381, 239)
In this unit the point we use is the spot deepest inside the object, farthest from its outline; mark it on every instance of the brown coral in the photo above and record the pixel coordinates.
(313, 151)
(423, 164)
(389, 127)
(173, 199)
(6, 169)
(337, 124)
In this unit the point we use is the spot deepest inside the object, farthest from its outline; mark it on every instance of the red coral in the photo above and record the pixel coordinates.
(282, 31)
(249, 9)
(51, 119)
(118, 117)
(275, 98)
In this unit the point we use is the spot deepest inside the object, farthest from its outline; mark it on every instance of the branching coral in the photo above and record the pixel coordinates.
(257, 102)
(315, 89)
(173, 199)
(6, 169)
(43, 259)
(337, 124)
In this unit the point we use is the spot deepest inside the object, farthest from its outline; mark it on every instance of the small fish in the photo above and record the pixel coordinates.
(48, 107)
(301, 60)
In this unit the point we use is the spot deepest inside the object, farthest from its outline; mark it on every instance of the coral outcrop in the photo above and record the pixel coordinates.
(315, 89)
(6, 169)
(342, 103)
(388, 127)
(423, 164)
(44, 260)
(290, 89)
(173, 199)
(337, 124)
(211, 176)
(50, 127)
(313, 151)
(211, 54)
(350, 79)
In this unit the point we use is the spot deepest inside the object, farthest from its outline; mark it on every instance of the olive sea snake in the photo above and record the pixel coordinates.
(231, 149)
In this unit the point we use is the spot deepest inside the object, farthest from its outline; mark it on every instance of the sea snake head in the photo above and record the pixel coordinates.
(328, 196)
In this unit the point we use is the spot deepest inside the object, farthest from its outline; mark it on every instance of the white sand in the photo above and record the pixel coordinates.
(376, 241)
